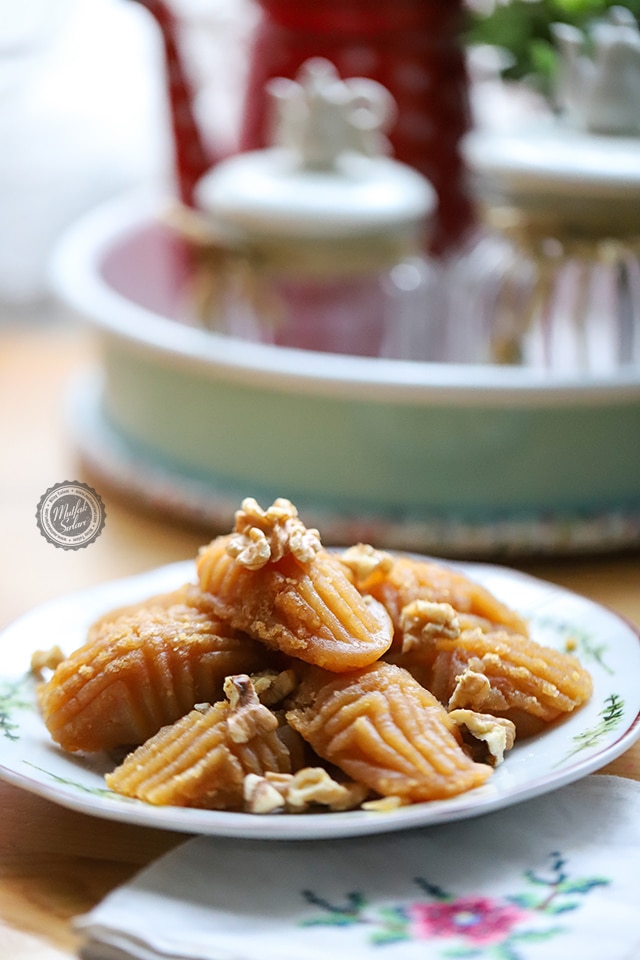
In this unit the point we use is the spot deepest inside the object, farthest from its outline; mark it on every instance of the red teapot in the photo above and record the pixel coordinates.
(411, 47)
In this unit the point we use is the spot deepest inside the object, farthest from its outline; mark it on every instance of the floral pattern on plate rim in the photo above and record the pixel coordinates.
(558, 617)
(18, 694)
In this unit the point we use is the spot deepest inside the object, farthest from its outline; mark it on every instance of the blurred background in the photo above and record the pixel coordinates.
(107, 98)
(84, 112)
(84, 115)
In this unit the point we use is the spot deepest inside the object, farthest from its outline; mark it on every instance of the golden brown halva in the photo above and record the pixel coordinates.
(291, 678)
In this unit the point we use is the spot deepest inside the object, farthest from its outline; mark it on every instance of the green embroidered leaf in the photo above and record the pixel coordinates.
(553, 907)
(583, 885)
(386, 937)
(395, 925)
(505, 951)
(534, 878)
(330, 920)
(529, 901)
(432, 889)
(348, 912)
(553, 894)
(397, 915)
(533, 935)
(460, 952)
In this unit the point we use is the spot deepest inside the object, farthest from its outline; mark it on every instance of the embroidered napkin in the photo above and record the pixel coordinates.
(557, 876)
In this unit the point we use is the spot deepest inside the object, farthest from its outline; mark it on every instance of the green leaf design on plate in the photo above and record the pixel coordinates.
(610, 716)
(577, 641)
(68, 782)
(14, 695)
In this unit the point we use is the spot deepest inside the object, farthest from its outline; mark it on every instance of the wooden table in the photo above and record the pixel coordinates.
(55, 863)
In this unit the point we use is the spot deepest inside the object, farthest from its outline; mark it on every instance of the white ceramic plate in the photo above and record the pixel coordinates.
(607, 726)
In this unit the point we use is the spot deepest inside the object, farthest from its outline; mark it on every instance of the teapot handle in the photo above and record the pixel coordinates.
(190, 155)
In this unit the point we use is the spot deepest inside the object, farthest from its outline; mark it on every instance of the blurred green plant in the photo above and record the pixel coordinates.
(522, 27)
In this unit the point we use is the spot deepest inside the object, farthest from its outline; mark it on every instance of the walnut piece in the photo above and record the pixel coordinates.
(46, 660)
(471, 690)
(363, 560)
(251, 549)
(261, 796)
(298, 792)
(493, 736)
(313, 785)
(261, 536)
(423, 620)
(272, 686)
(248, 717)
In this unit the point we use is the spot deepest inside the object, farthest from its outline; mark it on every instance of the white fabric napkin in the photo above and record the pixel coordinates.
(555, 877)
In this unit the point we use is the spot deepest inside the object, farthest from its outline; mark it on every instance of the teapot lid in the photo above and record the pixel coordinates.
(547, 158)
(327, 173)
(589, 153)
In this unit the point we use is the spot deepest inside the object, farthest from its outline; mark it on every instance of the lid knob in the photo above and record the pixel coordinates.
(319, 116)
(600, 91)
(327, 173)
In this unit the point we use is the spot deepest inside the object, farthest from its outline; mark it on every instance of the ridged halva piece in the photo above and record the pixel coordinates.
(383, 729)
(203, 758)
(497, 672)
(272, 579)
(397, 581)
(140, 671)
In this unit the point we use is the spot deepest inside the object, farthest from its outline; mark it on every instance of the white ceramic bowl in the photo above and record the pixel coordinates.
(451, 459)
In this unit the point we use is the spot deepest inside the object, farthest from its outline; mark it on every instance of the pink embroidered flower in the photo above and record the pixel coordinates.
(477, 918)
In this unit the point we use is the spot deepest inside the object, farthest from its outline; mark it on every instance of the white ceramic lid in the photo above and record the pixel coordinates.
(266, 193)
(585, 162)
(327, 174)
(550, 158)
